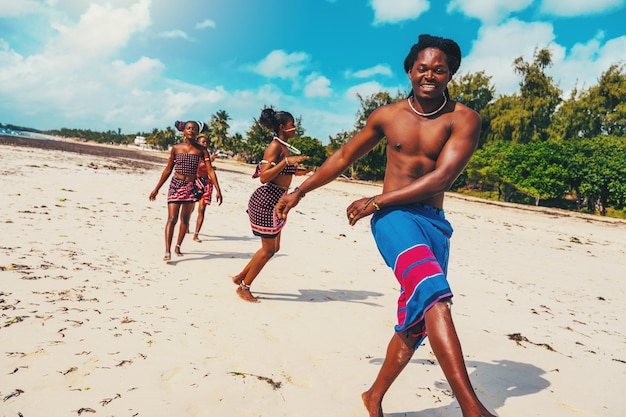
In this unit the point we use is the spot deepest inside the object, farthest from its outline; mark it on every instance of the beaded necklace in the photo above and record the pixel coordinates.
(445, 101)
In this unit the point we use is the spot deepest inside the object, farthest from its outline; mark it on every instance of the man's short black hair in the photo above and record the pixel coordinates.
(447, 46)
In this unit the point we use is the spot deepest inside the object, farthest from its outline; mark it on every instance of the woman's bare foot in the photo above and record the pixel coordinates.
(177, 250)
(374, 408)
(243, 291)
(237, 279)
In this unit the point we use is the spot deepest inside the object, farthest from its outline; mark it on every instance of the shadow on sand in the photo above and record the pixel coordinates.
(500, 380)
(322, 296)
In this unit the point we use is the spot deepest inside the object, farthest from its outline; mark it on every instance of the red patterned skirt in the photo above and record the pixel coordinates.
(181, 191)
(206, 185)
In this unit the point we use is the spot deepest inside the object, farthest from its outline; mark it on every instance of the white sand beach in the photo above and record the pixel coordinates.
(93, 322)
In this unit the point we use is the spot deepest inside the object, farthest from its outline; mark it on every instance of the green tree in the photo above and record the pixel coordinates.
(537, 169)
(601, 109)
(474, 90)
(299, 129)
(504, 120)
(171, 136)
(612, 88)
(538, 94)
(157, 139)
(597, 169)
(236, 143)
(525, 117)
(218, 129)
(257, 139)
(485, 171)
(574, 118)
(312, 148)
(336, 142)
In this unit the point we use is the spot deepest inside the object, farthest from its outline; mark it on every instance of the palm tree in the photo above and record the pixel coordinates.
(219, 129)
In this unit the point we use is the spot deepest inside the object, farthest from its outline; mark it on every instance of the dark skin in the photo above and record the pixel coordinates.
(425, 155)
(277, 153)
(201, 206)
(183, 210)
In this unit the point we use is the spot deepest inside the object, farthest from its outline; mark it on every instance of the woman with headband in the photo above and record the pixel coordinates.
(181, 195)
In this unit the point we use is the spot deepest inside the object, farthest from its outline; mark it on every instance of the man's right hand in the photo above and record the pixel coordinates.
(287, 202)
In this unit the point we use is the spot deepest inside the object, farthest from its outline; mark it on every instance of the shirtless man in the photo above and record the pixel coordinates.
(430, 140)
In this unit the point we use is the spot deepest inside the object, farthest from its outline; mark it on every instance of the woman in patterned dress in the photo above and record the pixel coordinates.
(275, 171)
(184, 160)
(204, 181)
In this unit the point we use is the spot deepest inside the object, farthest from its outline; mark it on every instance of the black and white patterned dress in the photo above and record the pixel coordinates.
(262, 205)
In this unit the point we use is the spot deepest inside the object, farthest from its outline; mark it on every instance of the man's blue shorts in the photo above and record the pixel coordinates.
(414, 240)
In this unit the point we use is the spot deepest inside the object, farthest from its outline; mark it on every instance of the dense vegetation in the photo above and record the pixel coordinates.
(535, 147)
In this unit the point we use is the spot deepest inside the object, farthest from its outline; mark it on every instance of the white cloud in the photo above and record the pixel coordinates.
(365, 89)
(386, 11)
(13, 8)
(174, 34)
(492, 52)
(579, 66)
(279, 64)
(8, 57)
(187, 100)
(317, 86)
(136, 73)
(206, 23)
(244, 105)
(333, 121)
(102, 31)
(76, 75)
(370, 72)
(585, 62)
(488, 11)
(569, 8)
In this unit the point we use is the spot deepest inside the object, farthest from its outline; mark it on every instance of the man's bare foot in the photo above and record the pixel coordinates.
(374, 408)
(177, 250)
(237, 279)
(196, 238)
(243, 291)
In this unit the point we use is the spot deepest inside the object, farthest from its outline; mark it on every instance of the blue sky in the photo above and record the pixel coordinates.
(142, 64)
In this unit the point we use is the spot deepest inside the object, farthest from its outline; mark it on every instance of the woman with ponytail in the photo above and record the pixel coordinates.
(276, 170)
(182, 193)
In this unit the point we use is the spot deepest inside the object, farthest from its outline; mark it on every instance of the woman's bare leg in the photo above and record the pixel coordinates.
(172, 218)
(185, 215)
(238, 279)
(199, 220)
(269, 246)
